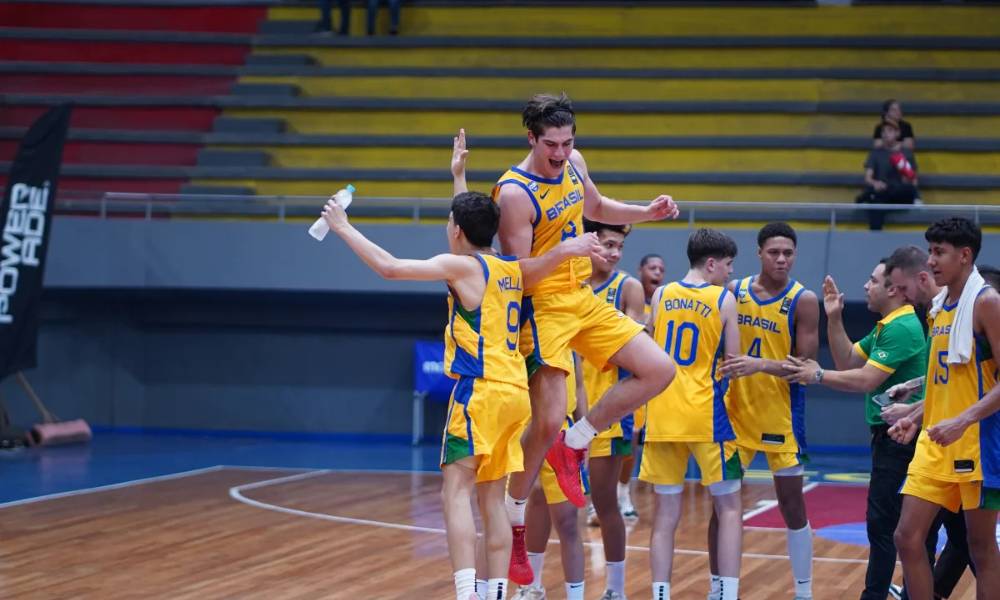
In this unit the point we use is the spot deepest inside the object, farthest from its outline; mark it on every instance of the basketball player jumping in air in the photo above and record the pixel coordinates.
(543, 201)
(489, 405)
(778, 317)
(957, 460)
(694, 320)
(610, 446)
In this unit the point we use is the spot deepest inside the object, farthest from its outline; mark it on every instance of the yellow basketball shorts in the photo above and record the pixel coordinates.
(604, 447)
(776, 461)
(665, 463)
(547, 477)
(577, 319)
(486, 419)
(952, 495)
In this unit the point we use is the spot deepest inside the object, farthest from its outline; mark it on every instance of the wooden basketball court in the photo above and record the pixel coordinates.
(246, 532)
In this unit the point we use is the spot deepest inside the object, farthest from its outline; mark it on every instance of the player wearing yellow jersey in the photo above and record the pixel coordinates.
(650, 273)
(548, 506)
(694, 320)
(543, 201)
(610, 446)
(489, 405)
(777, 317)
(957, 461)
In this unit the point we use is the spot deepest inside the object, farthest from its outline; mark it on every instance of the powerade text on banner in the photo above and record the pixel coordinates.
(26, 217)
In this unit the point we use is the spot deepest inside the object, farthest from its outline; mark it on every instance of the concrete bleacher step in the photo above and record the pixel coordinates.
(210, 157)
(248, 126)
(273, 27)
(280, 60)
(282, 90)
(216, 190)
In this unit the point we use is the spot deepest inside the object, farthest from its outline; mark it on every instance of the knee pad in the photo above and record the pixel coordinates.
(790, 471)
(723, 488)
(668, 490)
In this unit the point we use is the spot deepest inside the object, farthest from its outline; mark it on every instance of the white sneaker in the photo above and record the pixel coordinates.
(895, 591)
(592, 517)
(628, 511)
(612, 595)
(712, 596)
(529, 593)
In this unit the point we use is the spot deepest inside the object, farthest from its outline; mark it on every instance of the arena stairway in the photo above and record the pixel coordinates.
(769, 104)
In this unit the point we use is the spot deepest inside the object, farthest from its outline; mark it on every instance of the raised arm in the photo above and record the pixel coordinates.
(517, 215)
(446, 267)
(458, 154)
(987, 320)
(845, 354)
(605, 210)
(534, 270)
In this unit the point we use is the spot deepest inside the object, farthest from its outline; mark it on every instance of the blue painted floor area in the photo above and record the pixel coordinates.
(117, 457)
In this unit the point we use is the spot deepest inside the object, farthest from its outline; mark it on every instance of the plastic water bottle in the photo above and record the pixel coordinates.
(319, 229)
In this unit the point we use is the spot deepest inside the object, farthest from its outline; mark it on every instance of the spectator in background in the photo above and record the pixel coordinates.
(394, 7)
(890, 175)
(325, 22)
(892, 112)
(326, 26)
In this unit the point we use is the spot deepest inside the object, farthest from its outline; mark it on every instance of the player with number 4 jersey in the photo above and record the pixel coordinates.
(778, 317)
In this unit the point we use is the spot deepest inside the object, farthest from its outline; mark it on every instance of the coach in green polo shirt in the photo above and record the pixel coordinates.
(894, 352)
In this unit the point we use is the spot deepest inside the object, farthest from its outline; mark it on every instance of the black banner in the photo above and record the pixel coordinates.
(26, 218)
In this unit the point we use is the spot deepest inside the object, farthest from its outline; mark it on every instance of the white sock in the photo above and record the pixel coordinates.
(616, 577)
(661, 590)
(496, 589)
(515, 510)
(580, 435)
(574, 591)
(465, 583)
(716, 584)
(537, 561)
(730, 587)
(480, 588)
(800, 552)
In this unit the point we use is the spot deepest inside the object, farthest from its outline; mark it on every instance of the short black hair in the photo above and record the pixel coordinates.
(709, 243)
(885, 272)
(991, 274)
(908, 258)
(777, 229)
(595, 227)
(478, 216)
(545, 110)
(649, 257)
(957, 231)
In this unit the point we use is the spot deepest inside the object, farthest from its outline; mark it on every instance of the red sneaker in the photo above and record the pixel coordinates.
(520, 569)
(566, 462)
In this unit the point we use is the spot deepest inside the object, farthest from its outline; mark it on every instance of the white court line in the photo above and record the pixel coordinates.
(113, 486)
(235, 494)
(765, 505)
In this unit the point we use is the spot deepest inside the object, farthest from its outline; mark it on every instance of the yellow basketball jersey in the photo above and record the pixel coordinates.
(950, 389)
(645, 313)
(688, 327)
(767, 412)
(597, 382)
(558, 216)
(483, 342)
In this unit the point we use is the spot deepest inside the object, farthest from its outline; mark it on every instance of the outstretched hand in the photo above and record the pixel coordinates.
(458, 154)
(833, 300)
(663, 207)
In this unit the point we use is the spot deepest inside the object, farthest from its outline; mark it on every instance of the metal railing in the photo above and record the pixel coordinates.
(280, 208)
